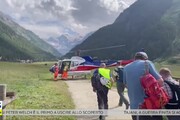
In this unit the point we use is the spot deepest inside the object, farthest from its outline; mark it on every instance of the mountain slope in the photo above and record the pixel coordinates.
(64, 43)
(29, 35)
(14, 47)
(149, 24)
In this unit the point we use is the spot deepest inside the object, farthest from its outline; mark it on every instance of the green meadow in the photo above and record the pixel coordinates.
(35, 89)
(175, 68)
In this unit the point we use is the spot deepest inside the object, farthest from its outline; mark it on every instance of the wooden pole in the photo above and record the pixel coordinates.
(2, 97)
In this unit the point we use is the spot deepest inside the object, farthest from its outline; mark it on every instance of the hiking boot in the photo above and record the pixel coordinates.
(101, 117)
(127, 106)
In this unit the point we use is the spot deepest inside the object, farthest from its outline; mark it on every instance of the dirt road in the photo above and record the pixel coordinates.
(85, 98)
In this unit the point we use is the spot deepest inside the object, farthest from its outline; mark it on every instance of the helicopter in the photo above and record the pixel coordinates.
(79, 66)
(82, 66)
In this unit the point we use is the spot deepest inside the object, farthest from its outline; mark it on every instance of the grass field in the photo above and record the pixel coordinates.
(175, 68)
(35, 89)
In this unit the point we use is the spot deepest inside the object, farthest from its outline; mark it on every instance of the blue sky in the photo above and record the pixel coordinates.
(49, 18)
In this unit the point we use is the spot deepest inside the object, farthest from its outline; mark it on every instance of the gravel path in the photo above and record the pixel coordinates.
(85, 98)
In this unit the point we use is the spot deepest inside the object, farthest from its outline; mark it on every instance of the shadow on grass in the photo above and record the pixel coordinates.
(75, 79)
(49, 79)
(60, 79)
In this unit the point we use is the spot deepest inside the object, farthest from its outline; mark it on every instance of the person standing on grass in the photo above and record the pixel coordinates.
(65, 71)
(56, 71)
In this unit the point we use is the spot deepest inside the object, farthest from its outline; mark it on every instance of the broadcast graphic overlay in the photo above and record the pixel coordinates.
(0, 108)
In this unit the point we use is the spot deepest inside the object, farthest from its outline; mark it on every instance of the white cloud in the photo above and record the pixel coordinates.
(52, 17)
(65, 4)
(44, 31)
(22, 4)
(9, 2)
(111, 5)
(80, 28)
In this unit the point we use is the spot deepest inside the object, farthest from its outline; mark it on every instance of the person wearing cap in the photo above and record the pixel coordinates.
(105, 83)
(131, 77)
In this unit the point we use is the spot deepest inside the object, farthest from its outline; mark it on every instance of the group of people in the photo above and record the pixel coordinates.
(56, 70)
(128, 76)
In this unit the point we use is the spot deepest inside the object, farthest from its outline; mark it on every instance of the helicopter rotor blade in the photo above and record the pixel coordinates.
(87, 50)
(103, 48)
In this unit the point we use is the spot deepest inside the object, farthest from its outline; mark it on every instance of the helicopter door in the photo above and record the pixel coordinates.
(65, 64)
(59, 63)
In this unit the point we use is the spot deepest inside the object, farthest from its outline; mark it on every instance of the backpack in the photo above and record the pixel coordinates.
(174, 103)
(156, 97)
(120, 75)
(95, 82)
(52, 69)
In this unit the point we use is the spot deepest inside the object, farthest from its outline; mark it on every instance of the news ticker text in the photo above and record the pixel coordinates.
(75, 112)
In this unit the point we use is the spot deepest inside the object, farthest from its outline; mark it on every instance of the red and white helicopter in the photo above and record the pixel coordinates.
(82, 66)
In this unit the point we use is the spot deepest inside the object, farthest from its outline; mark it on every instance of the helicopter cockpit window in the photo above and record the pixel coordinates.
(74, 63)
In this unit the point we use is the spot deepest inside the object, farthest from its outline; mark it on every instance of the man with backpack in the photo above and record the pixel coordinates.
(132, 74)
(101, 82)
(55, 70)
(172, 88)
(52, 68)
(120, 86)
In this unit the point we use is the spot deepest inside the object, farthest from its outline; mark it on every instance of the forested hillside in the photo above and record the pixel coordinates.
(150, 24)
(29, 35)
(14, 47)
